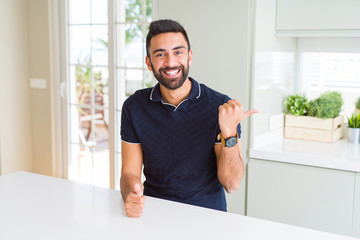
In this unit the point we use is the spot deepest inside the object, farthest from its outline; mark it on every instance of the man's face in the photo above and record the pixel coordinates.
(169, 59)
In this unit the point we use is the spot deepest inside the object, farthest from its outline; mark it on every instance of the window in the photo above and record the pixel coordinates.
(333, 65)
(331, 70)
(104, 64)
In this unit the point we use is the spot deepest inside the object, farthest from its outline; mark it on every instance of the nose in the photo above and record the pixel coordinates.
(170, 61)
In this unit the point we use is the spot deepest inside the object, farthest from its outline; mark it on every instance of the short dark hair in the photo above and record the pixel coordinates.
(164, 26)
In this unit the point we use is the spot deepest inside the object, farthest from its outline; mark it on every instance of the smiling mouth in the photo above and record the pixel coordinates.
(172, 72)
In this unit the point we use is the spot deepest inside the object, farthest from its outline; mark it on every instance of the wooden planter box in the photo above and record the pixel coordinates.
(313, 129)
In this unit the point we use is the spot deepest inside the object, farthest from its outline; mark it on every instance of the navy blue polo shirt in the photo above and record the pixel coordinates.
(178, 144)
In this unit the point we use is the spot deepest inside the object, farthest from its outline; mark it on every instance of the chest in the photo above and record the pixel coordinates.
(189, 122)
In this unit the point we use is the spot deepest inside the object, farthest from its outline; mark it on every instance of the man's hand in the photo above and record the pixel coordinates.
(134, 203)
(230, 115)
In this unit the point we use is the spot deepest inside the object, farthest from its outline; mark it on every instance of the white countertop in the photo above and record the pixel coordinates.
(39, 207)
(340, 155)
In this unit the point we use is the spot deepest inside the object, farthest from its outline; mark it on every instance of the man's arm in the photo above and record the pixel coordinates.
(230, 166)
(229, 159)
(130, 181)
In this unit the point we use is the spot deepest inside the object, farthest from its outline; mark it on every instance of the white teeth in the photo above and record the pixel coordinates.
(172, 72)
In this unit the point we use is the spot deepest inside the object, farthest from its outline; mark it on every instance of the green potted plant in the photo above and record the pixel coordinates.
(353, 124)
(328, 105)
(296, 104)
(357, 106)
(317, 120)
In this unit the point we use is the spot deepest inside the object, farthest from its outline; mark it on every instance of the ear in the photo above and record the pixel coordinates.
(147, 61)
(190, 57)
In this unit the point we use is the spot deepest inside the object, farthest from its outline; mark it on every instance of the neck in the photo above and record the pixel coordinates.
(175, 97)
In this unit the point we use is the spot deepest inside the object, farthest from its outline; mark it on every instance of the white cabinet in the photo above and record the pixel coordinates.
(311, 197)
(0, 152)
(356, 221)
(318, 18)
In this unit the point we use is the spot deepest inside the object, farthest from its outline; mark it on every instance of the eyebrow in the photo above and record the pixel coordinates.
(163, 50)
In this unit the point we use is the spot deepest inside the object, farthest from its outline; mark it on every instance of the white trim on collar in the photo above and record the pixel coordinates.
(152, 90)
(199, 90)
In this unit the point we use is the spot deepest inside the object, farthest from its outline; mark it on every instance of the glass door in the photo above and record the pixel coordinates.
(88, 86)
(105, 51)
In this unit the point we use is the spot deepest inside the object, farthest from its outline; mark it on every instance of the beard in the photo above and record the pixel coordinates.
(173, 83)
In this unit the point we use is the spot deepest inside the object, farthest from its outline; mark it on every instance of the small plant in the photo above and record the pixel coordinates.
(296, 104)
(354, 121)
(328, 105)
(357, 103)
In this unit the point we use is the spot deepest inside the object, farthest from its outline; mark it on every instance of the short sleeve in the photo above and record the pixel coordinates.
(127, 132)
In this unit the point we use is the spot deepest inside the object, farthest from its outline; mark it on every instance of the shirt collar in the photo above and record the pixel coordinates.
(195, 92)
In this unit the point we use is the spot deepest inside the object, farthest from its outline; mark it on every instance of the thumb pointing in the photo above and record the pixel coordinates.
(250, 112)
(137, 190)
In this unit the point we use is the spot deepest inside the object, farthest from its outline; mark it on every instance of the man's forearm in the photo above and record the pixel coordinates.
(230, 167)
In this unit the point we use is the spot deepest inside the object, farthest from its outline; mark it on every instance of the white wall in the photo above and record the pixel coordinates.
(273, 67)
(25, 122)
(39, 67)
(15, 117)
(220, 40)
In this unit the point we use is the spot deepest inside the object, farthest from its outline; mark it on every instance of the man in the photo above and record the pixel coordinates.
(185, 134)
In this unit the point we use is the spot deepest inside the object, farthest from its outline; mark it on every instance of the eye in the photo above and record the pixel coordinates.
(160, 55)
(178, 52)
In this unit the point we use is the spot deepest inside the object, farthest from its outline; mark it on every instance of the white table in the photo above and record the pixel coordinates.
(39, 207)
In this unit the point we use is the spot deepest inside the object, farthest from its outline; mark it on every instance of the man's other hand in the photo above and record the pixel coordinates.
(134, 203)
